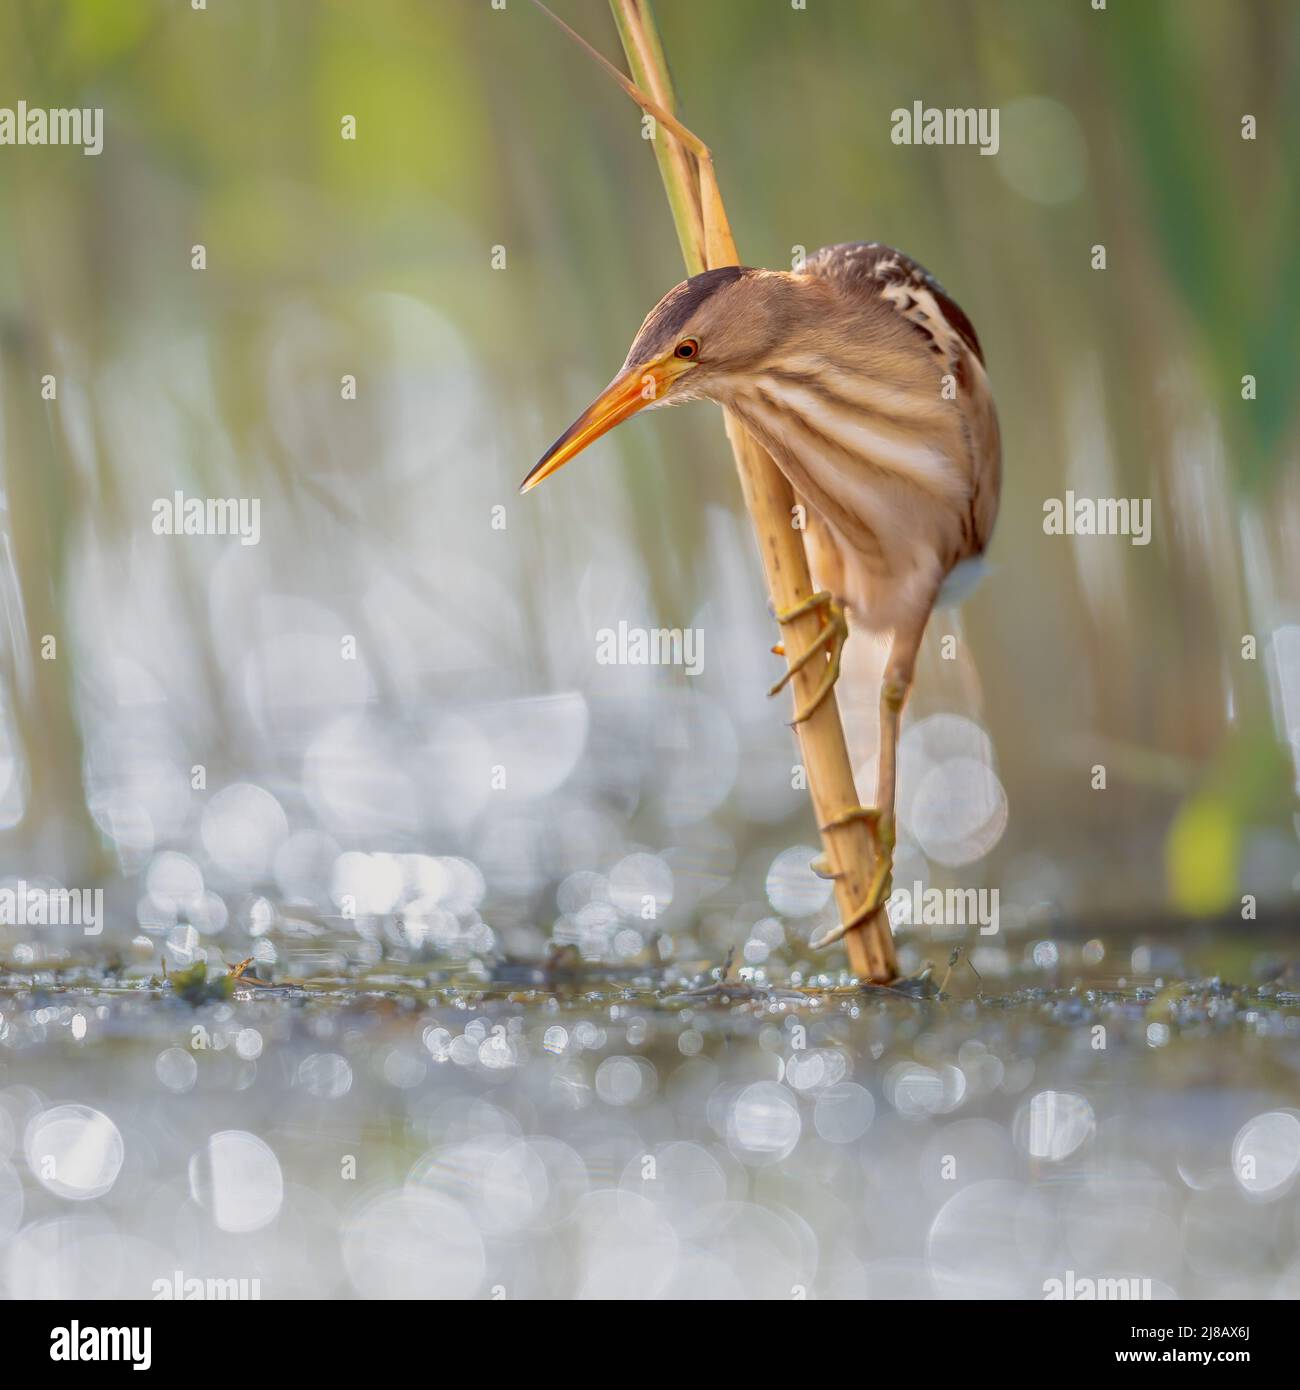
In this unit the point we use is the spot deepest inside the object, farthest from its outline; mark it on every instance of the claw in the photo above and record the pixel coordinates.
(830, 641)
(821, 599)
(875, 901)
(799, 662)
(877, 889)
(838, 632)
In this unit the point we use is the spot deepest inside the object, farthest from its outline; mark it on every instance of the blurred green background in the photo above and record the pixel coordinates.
(484, 137)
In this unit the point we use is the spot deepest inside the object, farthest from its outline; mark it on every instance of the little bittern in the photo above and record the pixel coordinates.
(866, 384)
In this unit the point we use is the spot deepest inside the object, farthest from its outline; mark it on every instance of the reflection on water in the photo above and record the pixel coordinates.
(389, 1136)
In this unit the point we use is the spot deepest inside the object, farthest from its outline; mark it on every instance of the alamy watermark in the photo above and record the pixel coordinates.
(179, 515)
(178, 1288)
(949, 125)
(920, 906)
(1098, 516)
(77, 1343)
(1073, 1289)
(37, 125)
(29, 905)
(655, 646)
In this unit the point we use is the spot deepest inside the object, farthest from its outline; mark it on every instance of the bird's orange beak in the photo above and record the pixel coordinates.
(619, 401)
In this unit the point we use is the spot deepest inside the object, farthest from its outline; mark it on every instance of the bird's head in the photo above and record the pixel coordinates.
(701, 336)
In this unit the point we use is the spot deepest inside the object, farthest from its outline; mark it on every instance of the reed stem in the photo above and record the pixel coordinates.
(699, 215)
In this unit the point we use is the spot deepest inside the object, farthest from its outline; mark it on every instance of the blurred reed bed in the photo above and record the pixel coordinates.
(474, 644)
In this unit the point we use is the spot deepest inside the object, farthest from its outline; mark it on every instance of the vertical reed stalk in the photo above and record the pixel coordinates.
(705, 235)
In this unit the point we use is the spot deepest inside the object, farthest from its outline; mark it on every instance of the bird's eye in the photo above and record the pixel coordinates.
(688, 347)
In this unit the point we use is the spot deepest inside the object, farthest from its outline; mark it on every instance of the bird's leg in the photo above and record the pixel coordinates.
(893, 696)
(829, 642)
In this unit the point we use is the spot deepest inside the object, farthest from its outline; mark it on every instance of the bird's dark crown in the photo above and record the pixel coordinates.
(675, 310)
